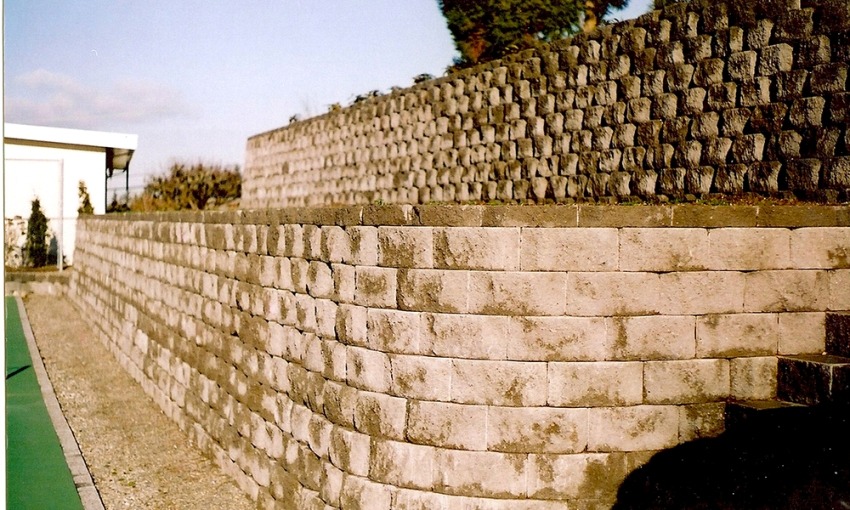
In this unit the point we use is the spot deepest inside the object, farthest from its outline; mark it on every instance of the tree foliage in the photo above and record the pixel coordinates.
(35, 246)
(190, 187)
(85, 199)
(484, 30)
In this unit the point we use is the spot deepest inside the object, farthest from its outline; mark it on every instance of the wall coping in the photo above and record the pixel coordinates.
(644, 216)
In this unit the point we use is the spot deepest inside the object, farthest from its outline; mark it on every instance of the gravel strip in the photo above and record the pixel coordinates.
(137, 456)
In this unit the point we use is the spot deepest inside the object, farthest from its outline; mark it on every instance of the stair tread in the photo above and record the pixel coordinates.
(826, 359)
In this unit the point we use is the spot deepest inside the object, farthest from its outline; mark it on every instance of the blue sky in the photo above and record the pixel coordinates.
(194, 79)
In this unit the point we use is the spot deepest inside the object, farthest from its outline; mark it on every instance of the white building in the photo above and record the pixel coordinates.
(49, 163)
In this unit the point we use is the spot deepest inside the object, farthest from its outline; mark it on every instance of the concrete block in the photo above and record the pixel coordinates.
(652, 249)
(820, 248)
(634, 428)
(569, 249)
(320, 280)
(839, 290)
(612, 294)
(336, 244)
(433, 290)
(537, 429)
(481, 474)
(701, 420)
(701, 292)
(801, 333)
(406, 247)
(477, 248)
(351, 325)
(517, 293)
(368, 370)
(403, 464)
(380, 415)
(362, 494)
(393, 330)
(344, 282)
(448, 425)
(421, 377)
(746, 334)
(464, 336)
(364, 245)
(749, 248)
(786, 291)
(507, 383)
(558, 339)
(375, 286)
(560, 477)
(753, 378)
(686, 381)
(595, 384)
(652, 337)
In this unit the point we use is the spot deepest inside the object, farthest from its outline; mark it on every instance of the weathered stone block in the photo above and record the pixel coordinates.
(516, 293)
(737, 335)
(633, 428)
(597, 384)
(753, 378)
(651, 337)
(380, 415)
(569, 249)
(801, 333)
(405, 247)
(506, 383)
(663, 249)
(375, 286)
(432, 290)
(820, 248)
(403, 464)
(746, 249)
(481, 474)
(686, 381)
(476, 248)
(464, 336)
(448, 425)
(557, 339)
(539, 430)
(786, 291)
(421, 377)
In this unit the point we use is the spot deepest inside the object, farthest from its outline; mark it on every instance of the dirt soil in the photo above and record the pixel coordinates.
(138, 457)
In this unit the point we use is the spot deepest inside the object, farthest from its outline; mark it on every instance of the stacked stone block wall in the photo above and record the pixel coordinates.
(457, 356)
(701, 98)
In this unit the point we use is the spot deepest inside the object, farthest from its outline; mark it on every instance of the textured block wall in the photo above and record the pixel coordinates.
(457, 356)
(703, 97)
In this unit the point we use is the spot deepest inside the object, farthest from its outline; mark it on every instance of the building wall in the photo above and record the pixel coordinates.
(484, 357)
(704, 97)
(33, 170)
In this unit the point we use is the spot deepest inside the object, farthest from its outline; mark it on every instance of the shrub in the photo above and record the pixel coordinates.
(35, 247)
(85, 200)
(190, 187)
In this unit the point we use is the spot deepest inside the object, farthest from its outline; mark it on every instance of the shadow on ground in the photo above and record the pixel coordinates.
(791, 462)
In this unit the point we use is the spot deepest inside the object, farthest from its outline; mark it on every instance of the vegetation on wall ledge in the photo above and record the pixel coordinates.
(190, 187)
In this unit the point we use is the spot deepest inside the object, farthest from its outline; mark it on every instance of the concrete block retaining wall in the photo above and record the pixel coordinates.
(457, 356)
(703, 97)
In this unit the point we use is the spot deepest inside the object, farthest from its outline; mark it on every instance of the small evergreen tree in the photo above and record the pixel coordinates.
(35, 247)
(85, 200)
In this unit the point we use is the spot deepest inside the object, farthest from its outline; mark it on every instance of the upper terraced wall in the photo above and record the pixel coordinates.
(703, 97)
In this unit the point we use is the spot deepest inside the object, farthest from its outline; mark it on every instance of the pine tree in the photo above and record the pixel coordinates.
(35, 247)
(85, 200)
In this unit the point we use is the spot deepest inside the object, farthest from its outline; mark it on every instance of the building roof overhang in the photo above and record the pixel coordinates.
(120, 146)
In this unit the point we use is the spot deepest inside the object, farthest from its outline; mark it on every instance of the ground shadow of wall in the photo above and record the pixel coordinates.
(800, 461)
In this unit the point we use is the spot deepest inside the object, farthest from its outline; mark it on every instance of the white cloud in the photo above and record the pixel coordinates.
(49, 98)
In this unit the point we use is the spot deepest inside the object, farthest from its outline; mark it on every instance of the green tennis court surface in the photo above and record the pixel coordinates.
(37, 476)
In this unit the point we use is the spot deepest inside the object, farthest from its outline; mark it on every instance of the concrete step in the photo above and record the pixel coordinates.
(757, 412)
(813, 379)
(838, 333)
